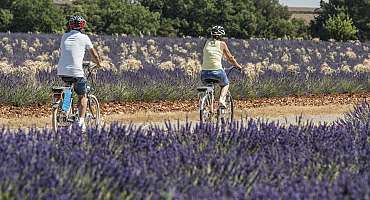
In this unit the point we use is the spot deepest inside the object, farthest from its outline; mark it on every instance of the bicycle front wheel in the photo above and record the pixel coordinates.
(54, 117)
(226, 115)
(230, 108)
(93, 112)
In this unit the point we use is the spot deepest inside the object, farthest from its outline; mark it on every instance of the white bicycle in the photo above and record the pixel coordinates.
(65, 116)
(207, 112)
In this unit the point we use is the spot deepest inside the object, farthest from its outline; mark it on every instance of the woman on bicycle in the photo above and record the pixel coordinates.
(72, 51)
(213, 51)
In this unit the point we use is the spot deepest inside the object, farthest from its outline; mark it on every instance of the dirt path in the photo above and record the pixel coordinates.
(112, 108)
(283, 114)
(320, 108)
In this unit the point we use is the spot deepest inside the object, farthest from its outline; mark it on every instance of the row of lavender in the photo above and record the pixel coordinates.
(18, 48)
(167, 68)
(248, 160)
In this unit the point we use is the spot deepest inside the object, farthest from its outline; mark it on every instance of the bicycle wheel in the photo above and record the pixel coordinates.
(226, 115)
(206, 110)
(93, 112)
(54, 117)
(230, 108)
(60, 118)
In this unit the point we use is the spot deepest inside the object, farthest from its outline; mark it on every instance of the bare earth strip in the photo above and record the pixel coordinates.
(283, 114)
(40, 111)
(319, 108)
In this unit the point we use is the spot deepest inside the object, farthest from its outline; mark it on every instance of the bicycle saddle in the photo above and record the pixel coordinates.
(204, 88)
(210, 81)
(59, 89)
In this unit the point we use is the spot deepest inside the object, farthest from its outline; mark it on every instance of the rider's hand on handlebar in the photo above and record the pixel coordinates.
(98, 65)
(239, 67)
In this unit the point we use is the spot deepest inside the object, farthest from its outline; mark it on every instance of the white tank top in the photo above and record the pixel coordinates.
(212, 55)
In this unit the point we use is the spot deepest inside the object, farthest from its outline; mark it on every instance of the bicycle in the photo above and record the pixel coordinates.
(206, 96)
(65, 116)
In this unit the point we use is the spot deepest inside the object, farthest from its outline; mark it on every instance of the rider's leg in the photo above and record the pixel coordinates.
(82, 108)
(223, 94)
(224, 83)
(81, 92)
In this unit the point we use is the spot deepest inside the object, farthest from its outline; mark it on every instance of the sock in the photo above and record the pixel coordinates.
(82, 121)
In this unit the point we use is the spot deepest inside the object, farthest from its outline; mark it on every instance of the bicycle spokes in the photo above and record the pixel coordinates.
(93, 112)
(226, 114)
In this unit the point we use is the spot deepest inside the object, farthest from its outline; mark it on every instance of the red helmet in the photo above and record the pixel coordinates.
(76, 22)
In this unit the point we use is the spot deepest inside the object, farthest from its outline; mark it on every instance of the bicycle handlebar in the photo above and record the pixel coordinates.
(90, 67)
(230, 69)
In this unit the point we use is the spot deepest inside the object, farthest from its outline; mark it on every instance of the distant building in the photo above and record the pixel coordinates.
(307, 14)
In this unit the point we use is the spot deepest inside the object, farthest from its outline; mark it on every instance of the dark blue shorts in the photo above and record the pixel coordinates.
(78, 82)
(218, 75)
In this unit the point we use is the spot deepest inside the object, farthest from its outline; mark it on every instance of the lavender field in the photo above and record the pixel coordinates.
(247, 160)
(147, 69)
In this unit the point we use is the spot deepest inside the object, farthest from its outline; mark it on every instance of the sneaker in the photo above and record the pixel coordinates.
(83, 127)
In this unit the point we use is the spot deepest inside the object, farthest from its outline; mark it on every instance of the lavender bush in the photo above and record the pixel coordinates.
(359, 116)
(168, 68)
(247, 160)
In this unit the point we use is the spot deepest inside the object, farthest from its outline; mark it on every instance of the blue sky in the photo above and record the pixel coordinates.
(301, 3)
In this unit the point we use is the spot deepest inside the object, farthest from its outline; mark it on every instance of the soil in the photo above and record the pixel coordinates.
(285, 110)
(39, 111)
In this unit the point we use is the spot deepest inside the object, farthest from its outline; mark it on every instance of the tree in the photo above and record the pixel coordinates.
(195, 17)
(110, 17)
(274, 21)
(36, 16)
(168, 28)
(6, 18)
(5, 4)
(358, 11)
(340, 27)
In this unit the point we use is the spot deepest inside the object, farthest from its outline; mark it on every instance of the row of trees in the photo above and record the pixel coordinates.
(241, 18)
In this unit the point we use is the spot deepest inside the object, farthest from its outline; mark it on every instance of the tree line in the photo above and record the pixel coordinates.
(338, 19)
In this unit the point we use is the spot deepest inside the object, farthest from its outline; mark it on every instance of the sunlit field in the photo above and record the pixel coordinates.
(150, 69)
(249, 158)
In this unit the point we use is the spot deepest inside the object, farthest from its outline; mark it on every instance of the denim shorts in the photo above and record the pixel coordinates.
(78, 82)
(218, 75)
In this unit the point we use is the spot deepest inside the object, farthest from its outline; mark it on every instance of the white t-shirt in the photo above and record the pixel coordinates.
(72, 52)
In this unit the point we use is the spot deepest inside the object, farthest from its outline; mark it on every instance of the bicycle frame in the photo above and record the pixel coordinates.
(70, 116)
(58, 95)
(206, 98)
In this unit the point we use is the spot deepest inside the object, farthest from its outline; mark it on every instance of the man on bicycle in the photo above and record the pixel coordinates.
(213, 51)
(72, 48)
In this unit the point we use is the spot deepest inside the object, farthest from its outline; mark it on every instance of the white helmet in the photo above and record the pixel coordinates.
(217, 31)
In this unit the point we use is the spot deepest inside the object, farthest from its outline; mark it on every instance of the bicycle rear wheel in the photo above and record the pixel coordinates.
(206, 109)
(93, 118)
(59, 118)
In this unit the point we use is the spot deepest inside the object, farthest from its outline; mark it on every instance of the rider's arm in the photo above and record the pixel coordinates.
(229, 56)
(93, 52)
(95, 56)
